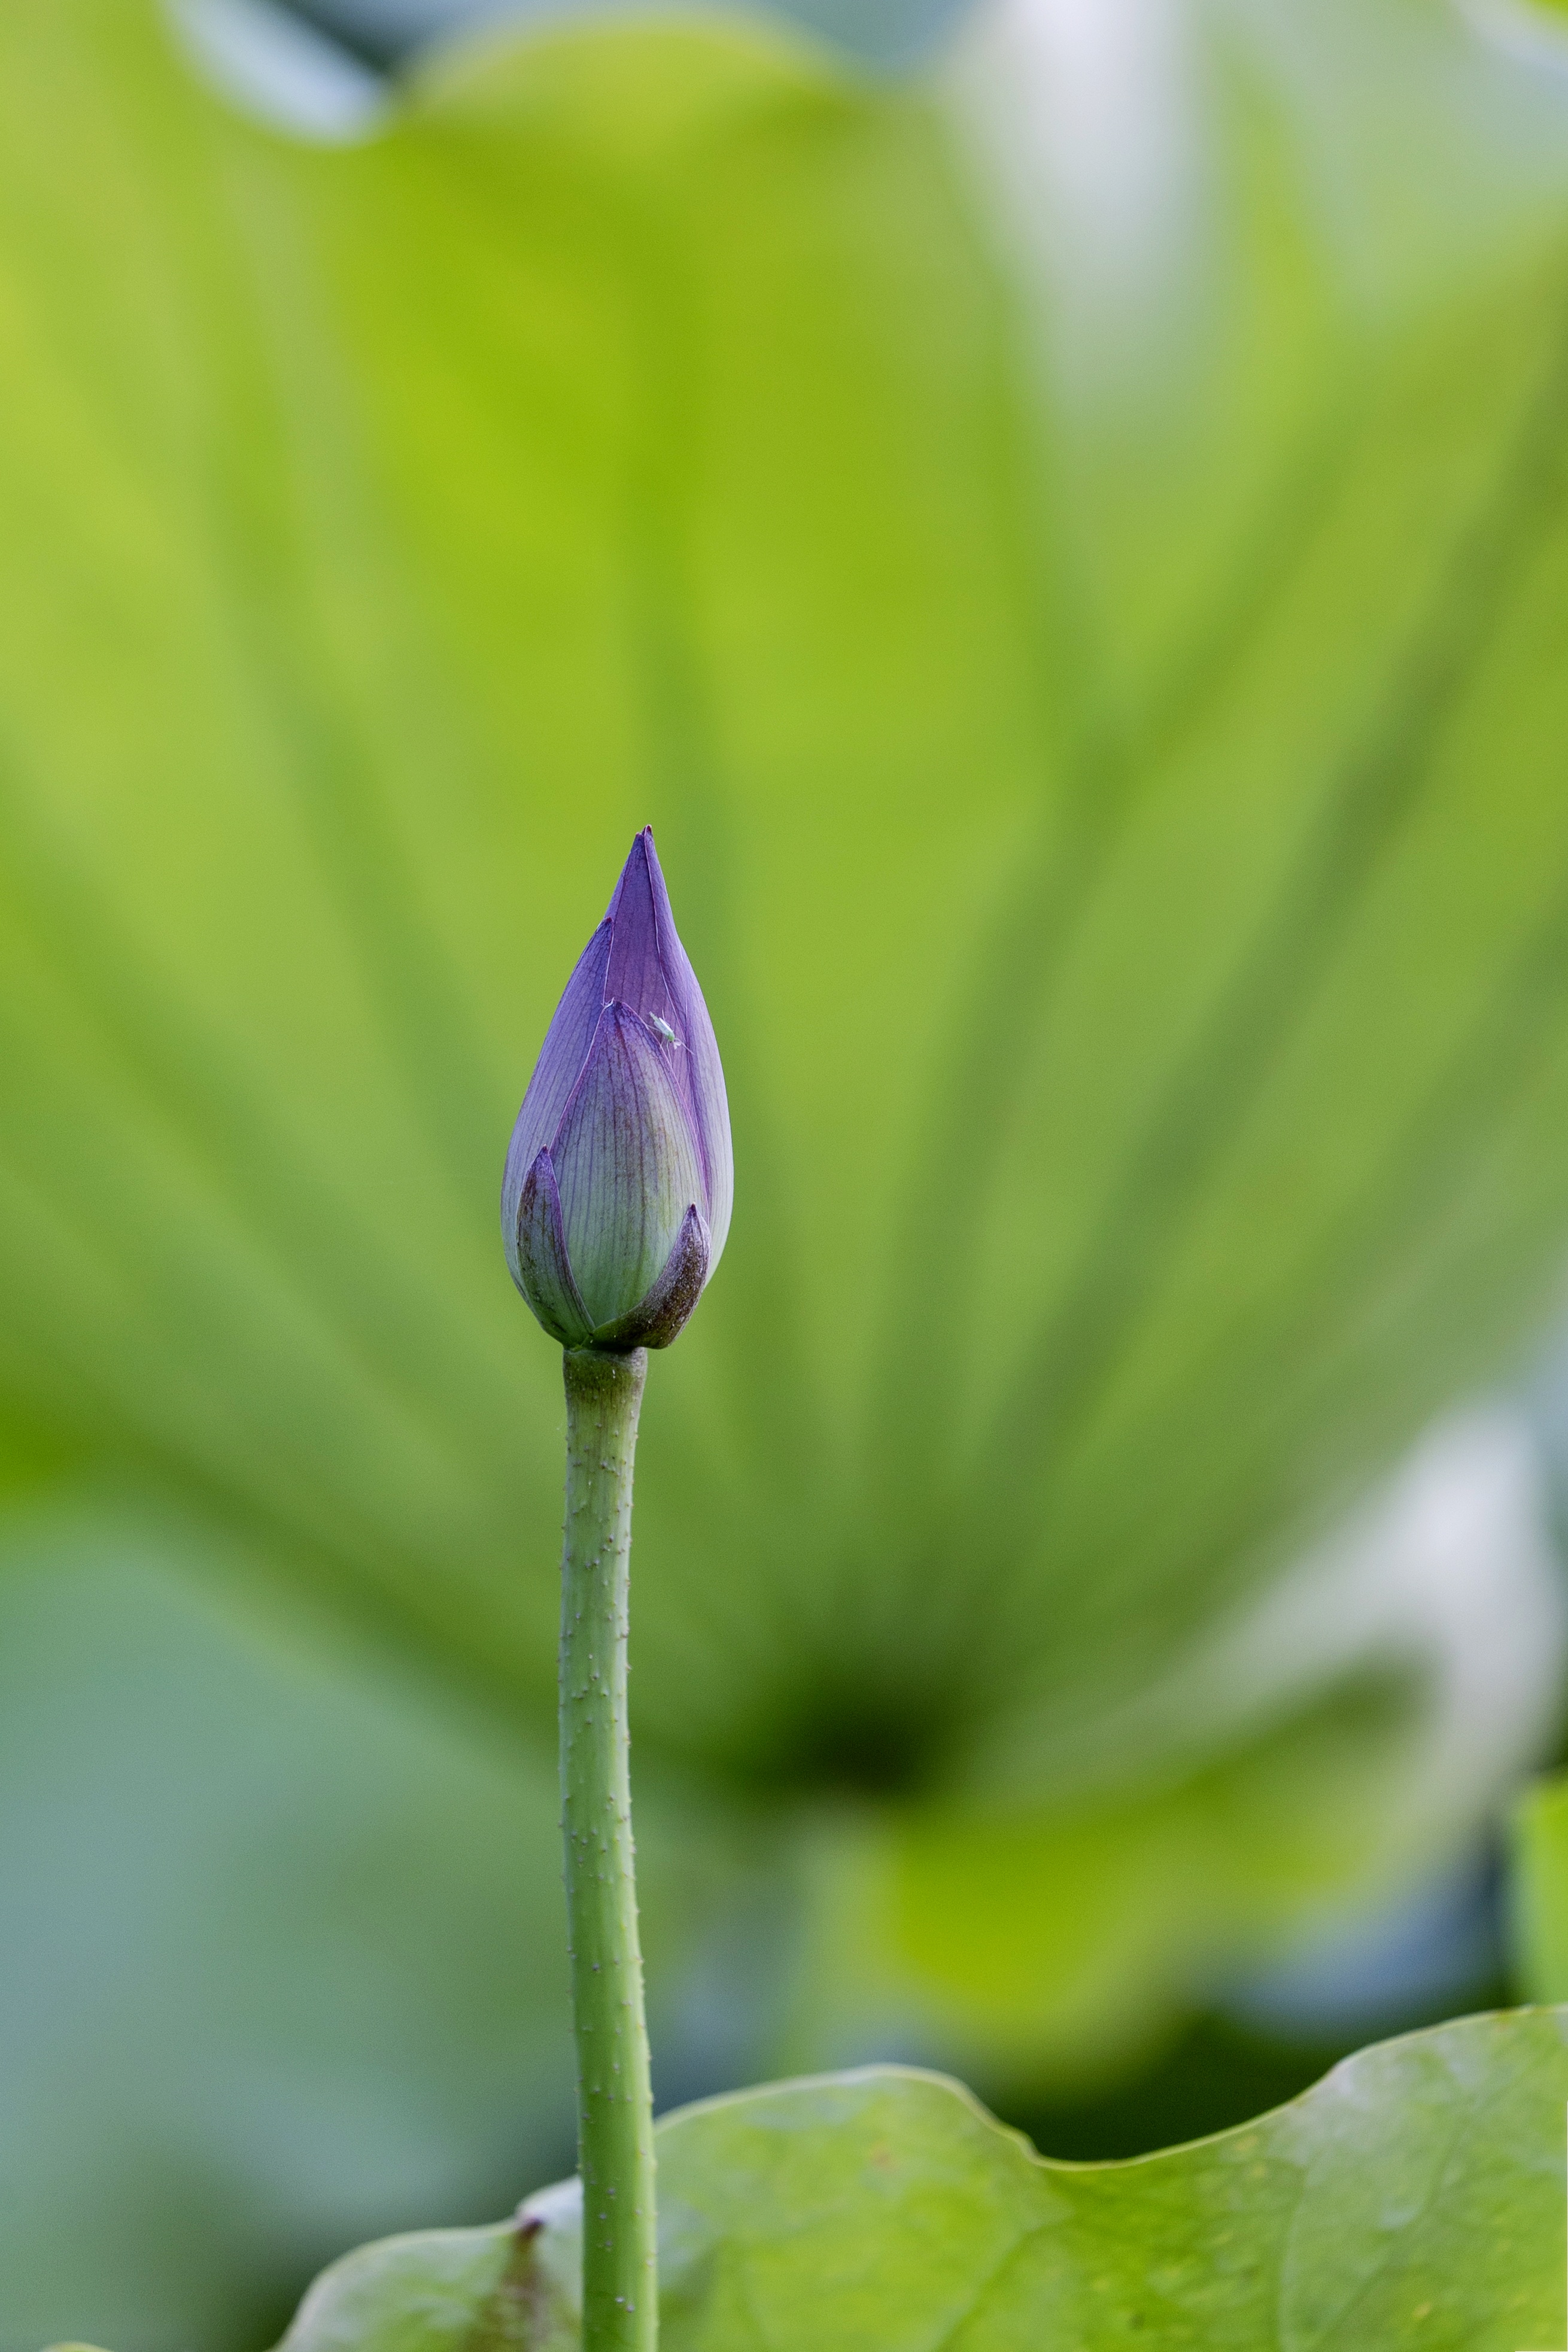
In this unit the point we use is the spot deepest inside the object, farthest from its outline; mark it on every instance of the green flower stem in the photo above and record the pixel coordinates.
(615, 2097)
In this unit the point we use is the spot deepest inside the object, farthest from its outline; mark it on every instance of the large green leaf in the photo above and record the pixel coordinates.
(1414, 2198)
(1114, 812)
(633, 429)
(284, 1956)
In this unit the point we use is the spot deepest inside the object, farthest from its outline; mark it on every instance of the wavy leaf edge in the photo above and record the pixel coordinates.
(757, 2229)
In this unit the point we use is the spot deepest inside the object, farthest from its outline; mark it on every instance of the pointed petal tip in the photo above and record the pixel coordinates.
(640, 859)
(645, 842)
(639, 927)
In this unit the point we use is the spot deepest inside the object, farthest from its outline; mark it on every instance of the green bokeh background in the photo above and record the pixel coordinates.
(1091, 648)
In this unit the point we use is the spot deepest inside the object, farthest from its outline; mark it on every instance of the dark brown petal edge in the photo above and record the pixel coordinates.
(659, 1315)
(544, 1272)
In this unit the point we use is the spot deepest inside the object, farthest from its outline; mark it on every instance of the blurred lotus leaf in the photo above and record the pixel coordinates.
(1539, 1889)
(1081, 598)
(1408, 2199)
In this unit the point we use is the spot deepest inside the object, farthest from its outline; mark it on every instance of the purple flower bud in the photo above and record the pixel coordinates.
(619, 1177)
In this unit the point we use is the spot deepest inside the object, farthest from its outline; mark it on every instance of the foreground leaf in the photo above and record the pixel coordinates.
(1416, 2197)
(509, 2289)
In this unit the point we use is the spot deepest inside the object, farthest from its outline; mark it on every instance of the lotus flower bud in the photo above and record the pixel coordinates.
(619, 1178)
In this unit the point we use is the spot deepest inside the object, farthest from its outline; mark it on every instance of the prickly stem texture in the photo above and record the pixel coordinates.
(615, 2102)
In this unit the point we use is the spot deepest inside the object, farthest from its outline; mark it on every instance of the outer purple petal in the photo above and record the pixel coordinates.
(709, 1103)
(635, 976)
(543, 1272)
(649, 971)
(627, 1165)
(559, 1065)
(660, 1316)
